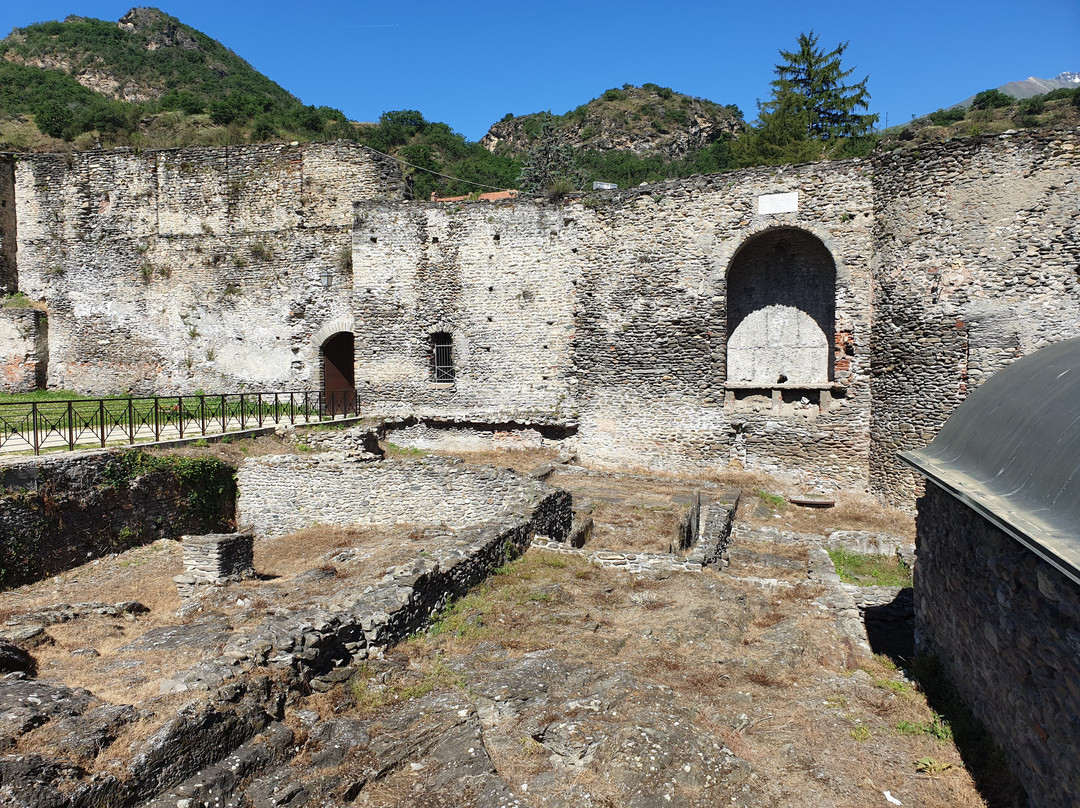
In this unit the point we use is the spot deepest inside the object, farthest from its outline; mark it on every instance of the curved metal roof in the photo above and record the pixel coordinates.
(1011, 451)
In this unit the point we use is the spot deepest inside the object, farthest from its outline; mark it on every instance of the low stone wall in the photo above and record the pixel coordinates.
(24, 333)
(356, 438)
(281, 494)
(59, 512)
(1005, 626)
(453, 436)
(235, 699)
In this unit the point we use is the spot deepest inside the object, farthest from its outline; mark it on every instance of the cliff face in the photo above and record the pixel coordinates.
(645, 120)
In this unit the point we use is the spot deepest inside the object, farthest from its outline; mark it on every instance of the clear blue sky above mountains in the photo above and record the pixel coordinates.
(468, 64)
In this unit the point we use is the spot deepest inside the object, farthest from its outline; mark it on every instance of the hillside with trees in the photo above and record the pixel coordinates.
(150, 81)
(990, 112)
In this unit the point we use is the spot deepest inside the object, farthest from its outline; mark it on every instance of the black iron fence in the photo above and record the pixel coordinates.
(72, 423)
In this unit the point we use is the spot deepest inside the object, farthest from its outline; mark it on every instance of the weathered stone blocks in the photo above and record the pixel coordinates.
(1005, 626)
(214, 559)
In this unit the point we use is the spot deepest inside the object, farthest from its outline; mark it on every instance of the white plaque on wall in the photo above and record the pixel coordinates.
(777, 203)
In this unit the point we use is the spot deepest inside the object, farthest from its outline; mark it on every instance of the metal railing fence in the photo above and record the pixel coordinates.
(74, 423)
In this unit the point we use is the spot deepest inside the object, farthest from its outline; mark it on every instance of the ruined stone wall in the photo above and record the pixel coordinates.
(61, 511)
(281, 494)
(651, 339)
(608, 316)
(498, 278)
(191, 269)
(8, 227)
(1005, 626)
(24, 342)
(976, 263)
(453, 436)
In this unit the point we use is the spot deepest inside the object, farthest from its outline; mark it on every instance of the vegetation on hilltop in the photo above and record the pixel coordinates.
(149, 81)
(991, 112)
(433, 146)
(631, 135)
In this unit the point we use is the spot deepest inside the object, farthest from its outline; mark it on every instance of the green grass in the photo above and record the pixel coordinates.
(774, 501)
(867, 570)
(860, 733)
(394, 450)
(937, 727)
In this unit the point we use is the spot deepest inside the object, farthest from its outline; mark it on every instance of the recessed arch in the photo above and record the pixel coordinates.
(781, 311)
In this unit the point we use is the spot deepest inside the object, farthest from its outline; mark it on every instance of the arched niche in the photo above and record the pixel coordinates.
(781, 310)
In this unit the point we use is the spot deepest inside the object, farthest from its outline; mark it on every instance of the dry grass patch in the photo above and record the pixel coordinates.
(852, 511)
(520, 460)
(285, 556)
(232, 450)
(634, 528)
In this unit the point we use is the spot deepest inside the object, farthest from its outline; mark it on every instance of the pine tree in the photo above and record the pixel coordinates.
(551, 167)
(813, 81)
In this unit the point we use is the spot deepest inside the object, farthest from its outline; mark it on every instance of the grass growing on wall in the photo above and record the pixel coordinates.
(137, 498)
(211, 484)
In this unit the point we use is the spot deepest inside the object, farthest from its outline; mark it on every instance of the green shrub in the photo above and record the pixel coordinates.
(943, 117)
(992, 99)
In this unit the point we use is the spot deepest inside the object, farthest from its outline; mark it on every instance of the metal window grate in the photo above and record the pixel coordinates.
(442, 346)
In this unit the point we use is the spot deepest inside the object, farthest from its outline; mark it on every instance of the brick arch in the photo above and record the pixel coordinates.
(730, 248)
(331, 327)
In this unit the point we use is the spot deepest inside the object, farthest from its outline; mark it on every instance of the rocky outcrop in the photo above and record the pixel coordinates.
(643, 120)
(158, 29)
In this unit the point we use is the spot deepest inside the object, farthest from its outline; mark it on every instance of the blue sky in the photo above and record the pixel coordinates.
(468, 64)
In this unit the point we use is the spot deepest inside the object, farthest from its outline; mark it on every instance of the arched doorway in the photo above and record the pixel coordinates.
(339, 374)
(781, 307)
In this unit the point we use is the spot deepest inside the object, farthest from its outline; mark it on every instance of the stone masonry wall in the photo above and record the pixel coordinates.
(1005, 626)
(608, 316)
(281, 494)
(61, 511)
(498, 278)
(651, 338)
(8, 227)
(191, 269)
(976, 263)
(24, 342)
(603, 320)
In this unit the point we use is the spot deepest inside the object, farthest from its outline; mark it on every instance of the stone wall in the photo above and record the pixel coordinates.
(976, 262)
(1005, 626)
(9, 281)
(602, 320)
(281, 494)
(189, 269)
(469, 436)
(651, 340)
(61, 511)
(498, 278)
(607, 316)
(24, 349)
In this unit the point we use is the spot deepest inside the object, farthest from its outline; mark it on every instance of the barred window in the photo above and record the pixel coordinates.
(442, 358)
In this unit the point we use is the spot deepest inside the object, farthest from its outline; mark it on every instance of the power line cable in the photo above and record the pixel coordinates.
(436, 173)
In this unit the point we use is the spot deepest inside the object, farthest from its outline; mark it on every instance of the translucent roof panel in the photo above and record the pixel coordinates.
(1012, 452)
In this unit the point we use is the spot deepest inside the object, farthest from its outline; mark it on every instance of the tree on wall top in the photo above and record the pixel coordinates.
(812, 112)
